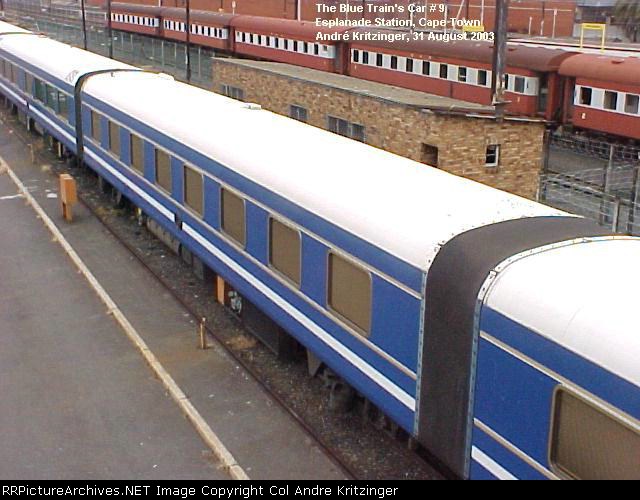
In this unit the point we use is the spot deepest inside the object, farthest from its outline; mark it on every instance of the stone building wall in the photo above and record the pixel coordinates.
(461, 140)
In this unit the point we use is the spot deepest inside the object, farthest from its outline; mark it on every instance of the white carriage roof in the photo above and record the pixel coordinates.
(11, 28)
(58, 59)
(584, 299)
(399, 205)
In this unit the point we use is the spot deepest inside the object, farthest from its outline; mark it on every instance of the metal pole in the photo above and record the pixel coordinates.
(188, 41)
(606, 185)
(109, 30)
(499, 57)
(84, 25)
(634, 201)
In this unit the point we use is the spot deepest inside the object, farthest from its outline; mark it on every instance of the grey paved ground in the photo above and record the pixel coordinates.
(267, 443)
(76, 399)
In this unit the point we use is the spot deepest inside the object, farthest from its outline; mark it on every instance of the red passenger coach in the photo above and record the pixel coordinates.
(210, 29)
(603, 94)
(462, 70)
(144, 19)
(288, 41)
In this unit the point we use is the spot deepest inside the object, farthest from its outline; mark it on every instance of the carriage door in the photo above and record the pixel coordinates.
(543, 94)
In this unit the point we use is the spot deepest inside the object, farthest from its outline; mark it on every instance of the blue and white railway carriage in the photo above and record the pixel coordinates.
(486, 325)
(39, 75)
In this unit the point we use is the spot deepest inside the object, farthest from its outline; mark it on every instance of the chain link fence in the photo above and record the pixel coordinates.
(594, 178)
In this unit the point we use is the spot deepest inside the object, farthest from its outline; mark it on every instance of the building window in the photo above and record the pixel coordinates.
(298, 113)
(349, 292)
(610, 100)
(493, 155)
(482, 77)
(409, 65)
(95, 126)
(586, 96)
(137, 153)
(345, 128)
(233, 92)
(444, 71)
(590, 443)
(632, 104)
(232, 216)
(519, 84)
(284, 250)
(429, 155)
(163, 170)
(193, 190)
(462, 74)
(114, 138)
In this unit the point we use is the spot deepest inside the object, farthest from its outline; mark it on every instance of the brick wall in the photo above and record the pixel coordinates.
(461, 141)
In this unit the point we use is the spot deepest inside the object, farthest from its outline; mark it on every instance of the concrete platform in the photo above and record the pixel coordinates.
(76, 399)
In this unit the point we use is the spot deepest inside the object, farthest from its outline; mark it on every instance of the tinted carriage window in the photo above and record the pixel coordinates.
(63, 105)
(610, 100)
(394, 62)
(462, 74)
(356, 56)
(29, 83)
(482, 77)
(40, 90)
(114, 139)
(137, 153)
(163, 170)
(284, 250)
(378, 59)
(52, 98)
(233, 221)
(444, 71)
(193, 193)
(95, 126)
(632, 104)
(519, 84)
(591, 444)
(409, 65)
(586, 95)
(426, 68)
(349, 292)
(365, 57)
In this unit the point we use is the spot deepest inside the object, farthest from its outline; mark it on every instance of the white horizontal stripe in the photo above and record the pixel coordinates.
(514, 449)
(167, 213)
(355, 360)
(491, 465)
(11, 92)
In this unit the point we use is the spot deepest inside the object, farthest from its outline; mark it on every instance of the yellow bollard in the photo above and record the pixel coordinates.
(203, 338)
(68, 195)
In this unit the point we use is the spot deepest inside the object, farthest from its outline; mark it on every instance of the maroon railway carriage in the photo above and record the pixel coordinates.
(603, 93)
(461, 69)
(144, 19)
(287, 41)
(210, 29)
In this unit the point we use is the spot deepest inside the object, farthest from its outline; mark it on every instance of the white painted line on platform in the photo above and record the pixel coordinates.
(213, 441)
